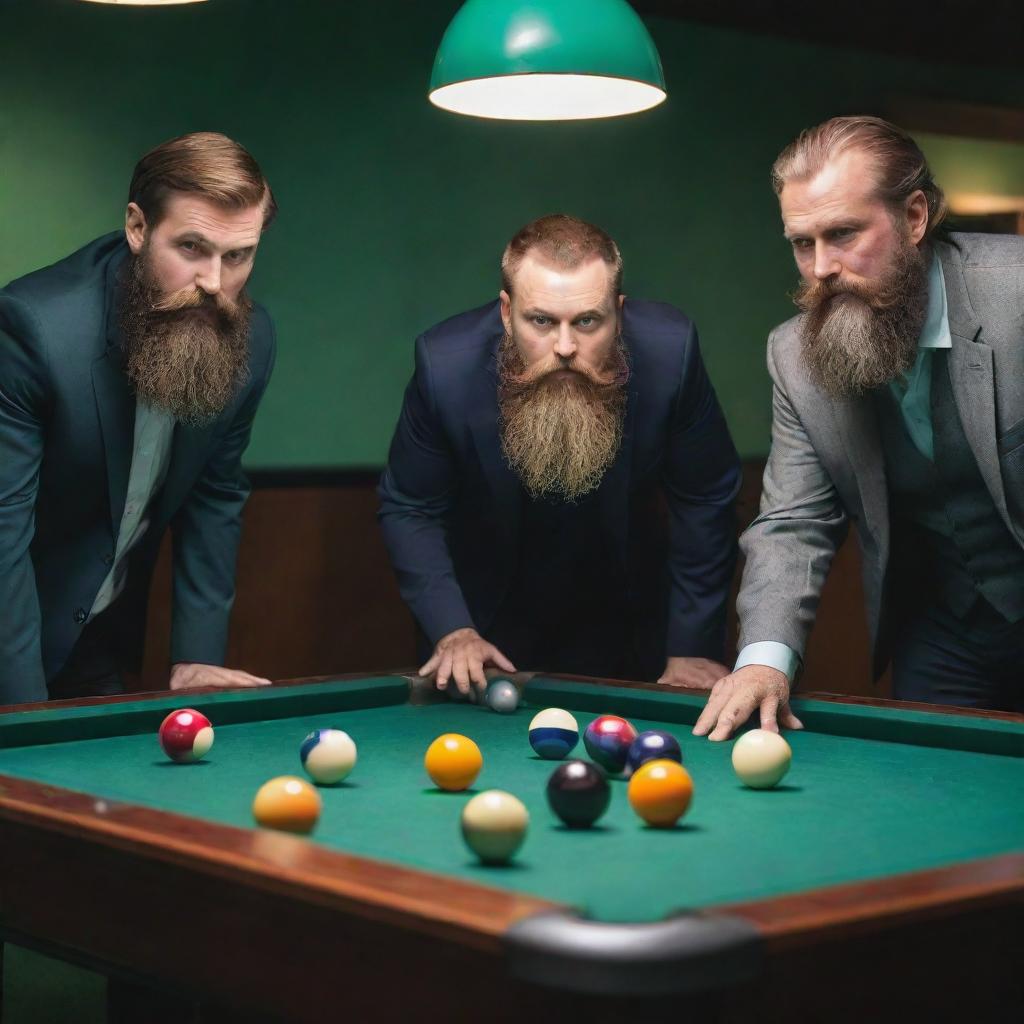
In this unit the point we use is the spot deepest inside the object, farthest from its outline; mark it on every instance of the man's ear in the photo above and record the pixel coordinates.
(917, 216)
(506, 310)
(135, 228)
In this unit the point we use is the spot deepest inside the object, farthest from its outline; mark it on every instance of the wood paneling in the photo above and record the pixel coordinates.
(315, 591)
(316, 594)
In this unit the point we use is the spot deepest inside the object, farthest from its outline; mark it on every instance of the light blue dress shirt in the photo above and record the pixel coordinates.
(912, 392)
(151, 455)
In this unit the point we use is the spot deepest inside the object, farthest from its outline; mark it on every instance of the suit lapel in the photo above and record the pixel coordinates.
(506, 489)
(613, 494)
(971, 372)
(858, 427)
(115, 406)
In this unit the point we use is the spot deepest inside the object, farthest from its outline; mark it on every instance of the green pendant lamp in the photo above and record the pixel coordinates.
(549, 60)
(145, 3)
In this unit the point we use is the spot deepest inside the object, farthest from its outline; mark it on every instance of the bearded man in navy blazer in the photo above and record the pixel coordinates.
(541, 439)
(130, 374)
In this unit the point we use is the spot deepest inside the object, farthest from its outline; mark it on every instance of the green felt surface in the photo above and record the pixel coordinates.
(863, 804)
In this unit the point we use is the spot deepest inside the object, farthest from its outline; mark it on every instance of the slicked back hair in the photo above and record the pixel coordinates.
(206, 164)
(900, 165)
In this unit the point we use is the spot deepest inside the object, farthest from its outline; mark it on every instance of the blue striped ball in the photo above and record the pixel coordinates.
(554, 733)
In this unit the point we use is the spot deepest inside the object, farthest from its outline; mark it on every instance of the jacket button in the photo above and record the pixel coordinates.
(80, 615)
(108, 559)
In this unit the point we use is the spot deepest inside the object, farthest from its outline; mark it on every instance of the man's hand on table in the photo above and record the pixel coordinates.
(462, 655)
(736, 697)
(696, 673)
(186, 675)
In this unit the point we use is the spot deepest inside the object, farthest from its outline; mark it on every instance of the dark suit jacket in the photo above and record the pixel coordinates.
(451, 507)
(67, 417)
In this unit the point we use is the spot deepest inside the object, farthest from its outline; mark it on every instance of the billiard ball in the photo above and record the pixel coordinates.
(287, 803)
(660, 792)
(453, 762)
(494, 825)
(607, 740)
(328, 755)
(761, 758)
(650, 746)
(553, 733)
(578, 793)
(502, 696)
(186, 735)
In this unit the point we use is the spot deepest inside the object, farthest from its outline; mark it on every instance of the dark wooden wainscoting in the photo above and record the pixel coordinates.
(316, 595)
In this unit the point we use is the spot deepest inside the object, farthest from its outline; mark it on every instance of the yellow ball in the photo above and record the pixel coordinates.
(453, 761)
(287, 803)
(761, 758)
(660, 792)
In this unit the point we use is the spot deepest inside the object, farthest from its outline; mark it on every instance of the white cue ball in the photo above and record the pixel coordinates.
(761, 758)
(494, 825)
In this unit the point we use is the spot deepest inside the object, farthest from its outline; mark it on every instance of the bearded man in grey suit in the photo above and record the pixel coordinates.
(899, 406)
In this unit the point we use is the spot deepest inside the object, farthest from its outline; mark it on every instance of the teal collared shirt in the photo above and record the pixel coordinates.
(912, 392)
(151, 455)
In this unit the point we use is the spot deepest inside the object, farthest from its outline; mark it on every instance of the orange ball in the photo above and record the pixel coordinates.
(453, 761)
(660, 792)
(287, 803)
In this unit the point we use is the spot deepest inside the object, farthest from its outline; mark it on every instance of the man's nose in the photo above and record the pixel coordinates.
(208, 278)
(825, 263)
(565, 344)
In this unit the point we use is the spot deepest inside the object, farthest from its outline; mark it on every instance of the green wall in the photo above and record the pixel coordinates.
(393, 214)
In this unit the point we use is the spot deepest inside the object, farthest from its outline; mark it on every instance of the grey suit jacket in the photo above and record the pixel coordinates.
(826, 467)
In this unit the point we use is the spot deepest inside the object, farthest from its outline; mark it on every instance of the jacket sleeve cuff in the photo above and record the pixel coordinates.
(205, 643)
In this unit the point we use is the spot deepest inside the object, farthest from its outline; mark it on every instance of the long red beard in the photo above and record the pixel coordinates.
(187, 353)
(561, 433)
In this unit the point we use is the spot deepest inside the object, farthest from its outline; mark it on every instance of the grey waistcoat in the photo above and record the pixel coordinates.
(978, 556)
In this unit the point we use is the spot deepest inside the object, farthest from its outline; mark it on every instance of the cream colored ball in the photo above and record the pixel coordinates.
(761, 758)
(494, 825)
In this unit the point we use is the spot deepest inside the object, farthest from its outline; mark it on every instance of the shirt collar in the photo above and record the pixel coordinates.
(935, 332)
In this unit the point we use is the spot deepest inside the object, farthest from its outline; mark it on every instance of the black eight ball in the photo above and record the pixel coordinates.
(578, 793)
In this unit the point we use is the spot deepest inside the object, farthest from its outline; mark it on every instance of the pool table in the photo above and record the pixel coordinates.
(886, 872)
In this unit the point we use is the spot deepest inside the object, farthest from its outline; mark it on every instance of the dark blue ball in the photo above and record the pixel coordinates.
(651, 745)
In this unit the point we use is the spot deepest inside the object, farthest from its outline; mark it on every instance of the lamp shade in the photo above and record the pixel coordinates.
(549, 60)
(145, 3)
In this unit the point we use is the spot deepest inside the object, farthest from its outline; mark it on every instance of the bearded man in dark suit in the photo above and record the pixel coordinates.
(130, 374)
(540, 441)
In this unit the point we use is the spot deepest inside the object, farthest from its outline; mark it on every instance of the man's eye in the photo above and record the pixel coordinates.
(235, 257)
(802, 243)
(585, 321)
(541, 321)
(189, 246)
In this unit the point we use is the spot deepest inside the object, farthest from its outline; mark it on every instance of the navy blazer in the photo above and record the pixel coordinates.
(451, 507)
(67, 414)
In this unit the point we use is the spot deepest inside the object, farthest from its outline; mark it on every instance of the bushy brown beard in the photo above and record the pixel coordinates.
(858, 337)
(186, 353)
(561, 433)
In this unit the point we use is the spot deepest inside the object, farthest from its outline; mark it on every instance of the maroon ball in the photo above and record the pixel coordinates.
(607, 740)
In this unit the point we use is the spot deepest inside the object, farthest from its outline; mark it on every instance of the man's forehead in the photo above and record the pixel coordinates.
(187, 214)
(542, 283)
(844, 186)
